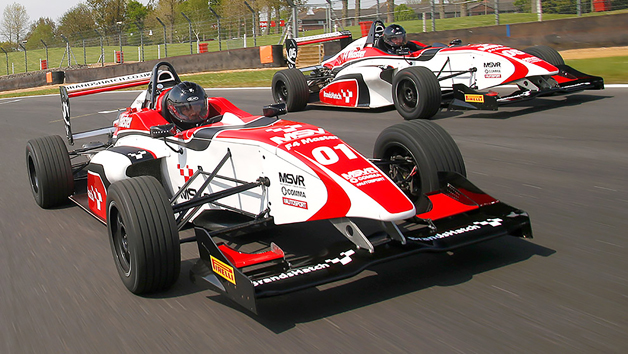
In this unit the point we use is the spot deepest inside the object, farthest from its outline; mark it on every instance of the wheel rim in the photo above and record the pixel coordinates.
(121, 243)
(281, 91)
(32, 175)
(407, 94)
(404, 171)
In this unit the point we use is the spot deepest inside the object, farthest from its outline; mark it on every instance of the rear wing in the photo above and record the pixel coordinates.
(292, 44)
(92, 87)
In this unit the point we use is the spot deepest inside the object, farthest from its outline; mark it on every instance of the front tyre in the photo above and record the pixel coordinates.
(416, 93)
(546, 53)
(143, 235)
(290, 86)
(49, 171)
(415, 152)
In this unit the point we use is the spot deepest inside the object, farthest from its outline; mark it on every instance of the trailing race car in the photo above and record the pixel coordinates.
(176, 159)
(420, 79)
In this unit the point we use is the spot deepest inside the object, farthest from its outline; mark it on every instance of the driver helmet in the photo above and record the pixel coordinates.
(187, 103)
(394, 36)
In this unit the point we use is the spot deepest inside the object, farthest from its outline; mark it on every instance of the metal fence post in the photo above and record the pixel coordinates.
(189, 30)
(165, 45)
(46, 47)
(141, 29)
(7, 56)
(432, 10)
(218, 19)
(25, 58)
(254, 27)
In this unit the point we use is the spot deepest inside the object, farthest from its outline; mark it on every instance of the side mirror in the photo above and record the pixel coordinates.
(162, 131)
(275, 109)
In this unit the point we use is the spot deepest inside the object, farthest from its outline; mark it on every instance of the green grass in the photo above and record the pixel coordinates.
(614, 70)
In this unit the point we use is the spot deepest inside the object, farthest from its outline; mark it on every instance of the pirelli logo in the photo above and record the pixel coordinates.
(223, 270)
(474, 98)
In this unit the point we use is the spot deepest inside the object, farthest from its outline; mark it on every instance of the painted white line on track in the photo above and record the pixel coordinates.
(18, 100)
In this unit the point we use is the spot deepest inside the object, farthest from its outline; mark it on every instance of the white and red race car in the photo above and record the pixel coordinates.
(419, 79)
(240, 173)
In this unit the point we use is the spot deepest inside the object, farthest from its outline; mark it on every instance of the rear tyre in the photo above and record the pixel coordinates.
(546, 53)
(419, 149)
(416, 93)
(290, 86)
(143, 235)
(49, 171)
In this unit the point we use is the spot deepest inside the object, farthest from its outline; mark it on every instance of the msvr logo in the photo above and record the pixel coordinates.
(289, 178)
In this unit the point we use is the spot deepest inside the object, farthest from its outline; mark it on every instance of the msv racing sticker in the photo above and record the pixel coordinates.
(344, 259)
(363, 176)
(293, 186)
(493, 70)
(295, 203)
(475, 226)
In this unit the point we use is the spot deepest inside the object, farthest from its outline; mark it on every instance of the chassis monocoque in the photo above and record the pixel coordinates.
(420, 80)
(239, 174)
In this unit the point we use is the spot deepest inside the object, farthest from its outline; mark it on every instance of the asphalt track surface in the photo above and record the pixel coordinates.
(562, 159)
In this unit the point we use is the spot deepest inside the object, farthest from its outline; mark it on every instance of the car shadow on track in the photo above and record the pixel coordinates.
(525, 107)
(388, 281)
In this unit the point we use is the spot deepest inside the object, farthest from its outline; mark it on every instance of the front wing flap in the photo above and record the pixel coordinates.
(568, 80)
(486, 219)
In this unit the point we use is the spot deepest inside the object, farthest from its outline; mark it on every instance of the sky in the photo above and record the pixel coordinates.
(54, 9)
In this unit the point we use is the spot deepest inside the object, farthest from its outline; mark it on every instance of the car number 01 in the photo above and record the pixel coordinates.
(327, 156)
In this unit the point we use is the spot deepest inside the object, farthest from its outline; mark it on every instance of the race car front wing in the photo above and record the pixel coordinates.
(568, 80)
(461, 215)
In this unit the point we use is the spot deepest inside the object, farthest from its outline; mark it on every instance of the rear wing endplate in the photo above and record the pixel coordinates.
(92, 87)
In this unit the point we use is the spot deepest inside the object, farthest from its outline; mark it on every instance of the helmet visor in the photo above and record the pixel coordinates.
(397, 39)
(191, 112)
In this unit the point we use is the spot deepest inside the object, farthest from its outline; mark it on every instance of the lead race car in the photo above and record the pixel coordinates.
(419, 79)
(233, 176)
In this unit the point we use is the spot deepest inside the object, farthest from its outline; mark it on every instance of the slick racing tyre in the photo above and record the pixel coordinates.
(143, 235)
(416, 93)
(417, 151)
(49, 171)
(290, 86)
(546, 53)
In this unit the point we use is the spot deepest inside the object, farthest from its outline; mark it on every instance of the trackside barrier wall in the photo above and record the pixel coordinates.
(573, 33)
(243, 58)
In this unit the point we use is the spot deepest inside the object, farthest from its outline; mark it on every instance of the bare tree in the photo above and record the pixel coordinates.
(345, 12)
(357, 12)
(14, 22)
